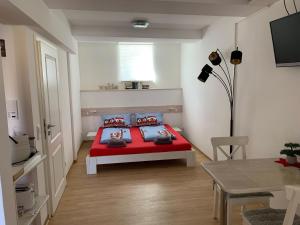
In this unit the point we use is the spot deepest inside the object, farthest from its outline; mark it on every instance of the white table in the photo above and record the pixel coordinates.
(248, 176)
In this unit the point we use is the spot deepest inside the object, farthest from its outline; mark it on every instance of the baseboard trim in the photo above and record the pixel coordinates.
(198, 149)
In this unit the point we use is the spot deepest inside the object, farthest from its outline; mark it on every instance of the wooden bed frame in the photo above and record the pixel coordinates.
(92, 162)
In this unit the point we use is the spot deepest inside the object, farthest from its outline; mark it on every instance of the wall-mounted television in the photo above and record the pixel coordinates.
(286, 40)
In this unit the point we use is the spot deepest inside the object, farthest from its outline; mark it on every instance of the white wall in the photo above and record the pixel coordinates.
(65, 108)
(267, 107)
(20, 83)
(99, 64)
(205, 105)
(266, 110)
(7, 202)
(74, 82)
(268, 97)
(16, 82)
(130, 98)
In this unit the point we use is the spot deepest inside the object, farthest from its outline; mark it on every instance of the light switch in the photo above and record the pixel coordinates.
(12, 109)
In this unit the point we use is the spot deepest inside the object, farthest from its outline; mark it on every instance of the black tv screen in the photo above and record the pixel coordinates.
(286, 40)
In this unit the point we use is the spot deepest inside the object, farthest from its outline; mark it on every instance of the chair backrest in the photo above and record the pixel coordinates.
(293, 195)
(238, 143)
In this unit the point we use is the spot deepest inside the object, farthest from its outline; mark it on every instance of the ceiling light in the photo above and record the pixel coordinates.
(140, 24)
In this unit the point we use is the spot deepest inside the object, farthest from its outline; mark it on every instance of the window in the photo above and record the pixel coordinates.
(136, 62)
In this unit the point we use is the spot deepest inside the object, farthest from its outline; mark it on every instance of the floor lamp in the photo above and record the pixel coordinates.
(227, 81)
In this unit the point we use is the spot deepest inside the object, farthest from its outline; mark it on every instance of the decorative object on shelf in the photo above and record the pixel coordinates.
(135, 84)
(128, 85)
(28, 217)
(20, 147)
(145, 86)
(25, 197)
(23, 148)
(109, 86)
(227, 80)
(291, 153)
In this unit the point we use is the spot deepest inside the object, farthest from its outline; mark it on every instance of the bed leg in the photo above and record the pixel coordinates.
(91, 165)
(191, 159)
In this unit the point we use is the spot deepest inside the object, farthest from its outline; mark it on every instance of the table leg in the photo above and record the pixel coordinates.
(223, 208)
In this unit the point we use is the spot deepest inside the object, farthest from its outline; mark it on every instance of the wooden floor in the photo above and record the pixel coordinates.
(152, 193)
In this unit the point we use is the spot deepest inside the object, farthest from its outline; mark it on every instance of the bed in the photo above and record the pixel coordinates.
(138, 151)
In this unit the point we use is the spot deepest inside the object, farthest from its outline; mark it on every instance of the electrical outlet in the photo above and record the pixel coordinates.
(12, 109)
(12, 115)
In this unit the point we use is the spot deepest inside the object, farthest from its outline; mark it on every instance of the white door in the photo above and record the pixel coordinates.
(52, 122)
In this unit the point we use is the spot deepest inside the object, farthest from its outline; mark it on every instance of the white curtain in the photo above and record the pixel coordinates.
(136, 62)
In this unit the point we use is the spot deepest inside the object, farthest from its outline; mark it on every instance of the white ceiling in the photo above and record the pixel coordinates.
(123, 19)
(169, 19)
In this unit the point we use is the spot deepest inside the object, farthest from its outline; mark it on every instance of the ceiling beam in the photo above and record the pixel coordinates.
(240, 8)
(87, 32)
(36, 15)
(262, 2)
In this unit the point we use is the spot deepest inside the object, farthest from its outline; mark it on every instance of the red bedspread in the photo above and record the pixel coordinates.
(138, 146)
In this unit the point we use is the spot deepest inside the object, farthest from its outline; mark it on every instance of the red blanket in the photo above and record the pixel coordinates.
(138, 145)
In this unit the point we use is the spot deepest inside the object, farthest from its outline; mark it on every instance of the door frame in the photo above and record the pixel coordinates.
(75, 156)
(42, 110)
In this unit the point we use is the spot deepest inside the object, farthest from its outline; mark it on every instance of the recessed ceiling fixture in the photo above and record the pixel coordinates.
(140, 24)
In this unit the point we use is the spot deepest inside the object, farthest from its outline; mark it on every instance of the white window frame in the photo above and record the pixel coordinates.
(136, 62)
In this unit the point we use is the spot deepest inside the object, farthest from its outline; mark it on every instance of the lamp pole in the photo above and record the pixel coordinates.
(230, 93)
(233, 102)
(229, 85)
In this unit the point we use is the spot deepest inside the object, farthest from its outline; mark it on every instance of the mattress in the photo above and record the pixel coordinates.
(138, 145)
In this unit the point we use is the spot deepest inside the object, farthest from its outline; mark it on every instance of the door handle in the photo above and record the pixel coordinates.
(49, 126)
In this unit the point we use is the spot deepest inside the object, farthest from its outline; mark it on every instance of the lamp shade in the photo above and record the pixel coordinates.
(206, 71)
(215, 58)
(236, 57)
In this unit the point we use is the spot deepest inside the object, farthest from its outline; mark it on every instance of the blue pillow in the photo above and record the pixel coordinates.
(106, 135)
(148, 119)
(117, 120)
(150, 133)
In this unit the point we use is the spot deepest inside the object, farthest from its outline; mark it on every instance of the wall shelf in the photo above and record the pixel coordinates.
(28, 217)
(115, 90)
(40, 201)
(21, 170)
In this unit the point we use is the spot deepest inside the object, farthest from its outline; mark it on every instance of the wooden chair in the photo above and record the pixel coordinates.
(239, 145)
(276, 216)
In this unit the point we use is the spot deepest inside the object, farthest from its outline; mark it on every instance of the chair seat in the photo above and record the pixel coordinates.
(251, 195)
(267, 217)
